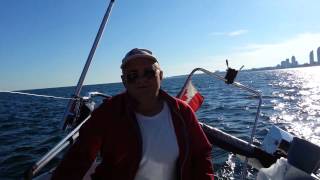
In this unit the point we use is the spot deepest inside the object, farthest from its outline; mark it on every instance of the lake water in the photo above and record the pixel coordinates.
(30, 126)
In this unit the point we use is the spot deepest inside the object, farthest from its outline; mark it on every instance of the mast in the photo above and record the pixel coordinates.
(70, 111)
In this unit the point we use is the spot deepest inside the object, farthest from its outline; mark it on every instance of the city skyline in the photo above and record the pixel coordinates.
(295, 63)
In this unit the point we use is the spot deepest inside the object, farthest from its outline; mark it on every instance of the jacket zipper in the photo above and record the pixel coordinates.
(186, 144)
(133, 118)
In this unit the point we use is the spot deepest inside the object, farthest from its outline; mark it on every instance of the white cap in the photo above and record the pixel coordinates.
(137, 53)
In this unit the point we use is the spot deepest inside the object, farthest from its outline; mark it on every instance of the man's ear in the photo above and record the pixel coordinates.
(161, 75)
(124, 81)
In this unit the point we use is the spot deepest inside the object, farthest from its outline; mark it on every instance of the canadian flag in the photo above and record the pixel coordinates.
(191, 95)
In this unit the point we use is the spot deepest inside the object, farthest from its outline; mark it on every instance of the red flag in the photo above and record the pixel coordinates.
(192, 96)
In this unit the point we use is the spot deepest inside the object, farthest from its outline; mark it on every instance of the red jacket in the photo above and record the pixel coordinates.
(113, 129)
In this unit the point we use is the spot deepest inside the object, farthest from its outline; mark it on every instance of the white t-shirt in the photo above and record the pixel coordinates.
(160, 148)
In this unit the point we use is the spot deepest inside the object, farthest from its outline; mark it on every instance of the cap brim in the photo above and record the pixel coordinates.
(137, 56)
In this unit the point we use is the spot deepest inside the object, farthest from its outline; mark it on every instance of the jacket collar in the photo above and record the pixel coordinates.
(172, 101)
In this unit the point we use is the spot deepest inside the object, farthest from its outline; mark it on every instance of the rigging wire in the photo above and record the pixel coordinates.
(37, 95)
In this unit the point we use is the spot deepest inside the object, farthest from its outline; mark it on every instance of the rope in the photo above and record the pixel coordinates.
(37, 95)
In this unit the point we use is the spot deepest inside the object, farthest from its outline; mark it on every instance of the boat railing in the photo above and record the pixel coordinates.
(237, 85)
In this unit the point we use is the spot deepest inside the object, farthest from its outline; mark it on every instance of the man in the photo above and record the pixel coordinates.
(142, 134)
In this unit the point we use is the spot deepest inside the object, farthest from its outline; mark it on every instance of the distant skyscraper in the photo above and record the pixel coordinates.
(294, 62)
(284, 64)
(287, 63)
(311, 57)
(318, 55)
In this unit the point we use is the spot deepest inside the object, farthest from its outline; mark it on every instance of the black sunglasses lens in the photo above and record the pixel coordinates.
(132, 77)
(149, 73)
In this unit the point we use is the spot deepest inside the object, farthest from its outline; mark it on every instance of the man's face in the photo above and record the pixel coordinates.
(142, 79)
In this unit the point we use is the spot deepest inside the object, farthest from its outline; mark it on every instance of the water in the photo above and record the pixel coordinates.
(30, 126)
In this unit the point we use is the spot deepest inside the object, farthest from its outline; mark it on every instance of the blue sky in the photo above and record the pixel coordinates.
(46, 43)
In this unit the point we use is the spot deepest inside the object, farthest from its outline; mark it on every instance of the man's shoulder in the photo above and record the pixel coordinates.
(113, 100)
(112, 104)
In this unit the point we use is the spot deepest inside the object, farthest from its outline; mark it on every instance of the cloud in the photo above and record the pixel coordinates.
(230, 34)
(271, 54)
(238, 32)
(255, 55)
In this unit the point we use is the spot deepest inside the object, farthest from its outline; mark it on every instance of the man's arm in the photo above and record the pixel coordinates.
(80, 156)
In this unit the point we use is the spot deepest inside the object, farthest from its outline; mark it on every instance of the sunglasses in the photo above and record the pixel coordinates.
(132, 77)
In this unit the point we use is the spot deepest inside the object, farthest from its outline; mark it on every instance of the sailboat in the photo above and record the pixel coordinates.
(279, 148)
